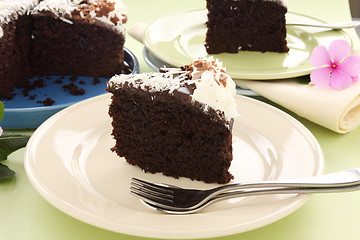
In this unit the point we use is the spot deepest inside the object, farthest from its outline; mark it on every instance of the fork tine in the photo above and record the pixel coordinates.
(154, 204)
(145, 196)
(152, 186)
(150, 191)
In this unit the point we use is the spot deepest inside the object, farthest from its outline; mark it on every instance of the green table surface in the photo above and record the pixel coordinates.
(24, 214)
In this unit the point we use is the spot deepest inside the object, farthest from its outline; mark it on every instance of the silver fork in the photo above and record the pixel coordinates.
(241, 193)
(342, 25)
(171, 199)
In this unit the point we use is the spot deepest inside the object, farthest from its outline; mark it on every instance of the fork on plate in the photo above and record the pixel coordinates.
(171, 199)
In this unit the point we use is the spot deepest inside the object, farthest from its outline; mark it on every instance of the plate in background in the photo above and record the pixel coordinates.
(182, 44)
(22, 112)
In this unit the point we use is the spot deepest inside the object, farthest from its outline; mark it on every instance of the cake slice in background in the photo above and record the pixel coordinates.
(59, 37)
(249, 25)
(15, 27)
(177, 121)
(78, 37)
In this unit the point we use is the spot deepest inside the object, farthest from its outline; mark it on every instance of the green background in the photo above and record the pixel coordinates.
(24, 214)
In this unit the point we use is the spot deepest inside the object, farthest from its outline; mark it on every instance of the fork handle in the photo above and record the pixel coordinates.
(285, 190)
(342, 179)
(327, 25)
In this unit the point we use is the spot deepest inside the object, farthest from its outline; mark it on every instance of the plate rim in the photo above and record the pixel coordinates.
(249, 76)
(80, 214)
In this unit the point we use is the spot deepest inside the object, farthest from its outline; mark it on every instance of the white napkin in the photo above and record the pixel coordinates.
(137, 31)
(338, 110)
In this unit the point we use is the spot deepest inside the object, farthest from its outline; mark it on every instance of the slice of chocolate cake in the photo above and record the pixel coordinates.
(178, 121)
(249, 25)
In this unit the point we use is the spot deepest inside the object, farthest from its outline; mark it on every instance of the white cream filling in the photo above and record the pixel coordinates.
(12, 8)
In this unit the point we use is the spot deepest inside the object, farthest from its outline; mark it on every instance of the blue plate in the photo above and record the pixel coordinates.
(22, 112)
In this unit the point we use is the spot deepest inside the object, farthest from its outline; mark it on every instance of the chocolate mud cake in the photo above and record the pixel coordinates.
(248, 25)
(59, 37)
(14, 44)
(177, 121)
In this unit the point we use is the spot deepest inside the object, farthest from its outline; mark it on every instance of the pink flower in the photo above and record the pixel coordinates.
(336, 68)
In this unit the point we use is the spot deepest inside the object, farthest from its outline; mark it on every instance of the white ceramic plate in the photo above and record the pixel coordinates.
(182, 44)
(69, 162)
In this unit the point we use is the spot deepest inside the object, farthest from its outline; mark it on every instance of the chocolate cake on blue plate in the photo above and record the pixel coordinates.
(59, 37)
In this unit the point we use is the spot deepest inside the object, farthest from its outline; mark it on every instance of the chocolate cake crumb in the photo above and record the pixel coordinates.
(58, 81)
(11, 96)
(39, 83)
(32, 97)
(47, 102)
(26, 91)
(96, 80)
(81, 82)
(74, 89)
(73, 78)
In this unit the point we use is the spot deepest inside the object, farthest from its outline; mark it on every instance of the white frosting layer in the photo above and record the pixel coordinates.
(13, 8)
(213, 87)
(7, 7)
(63, 9)
(152, 82)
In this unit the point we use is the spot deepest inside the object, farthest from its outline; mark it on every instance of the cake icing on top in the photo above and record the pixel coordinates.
(205, 80)
(11, 9)
(111, 12)
(8, 7)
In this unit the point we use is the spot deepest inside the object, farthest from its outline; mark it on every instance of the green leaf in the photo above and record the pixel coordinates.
(10, 142)
(1, 110)
(303, 79)
(5, 172)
